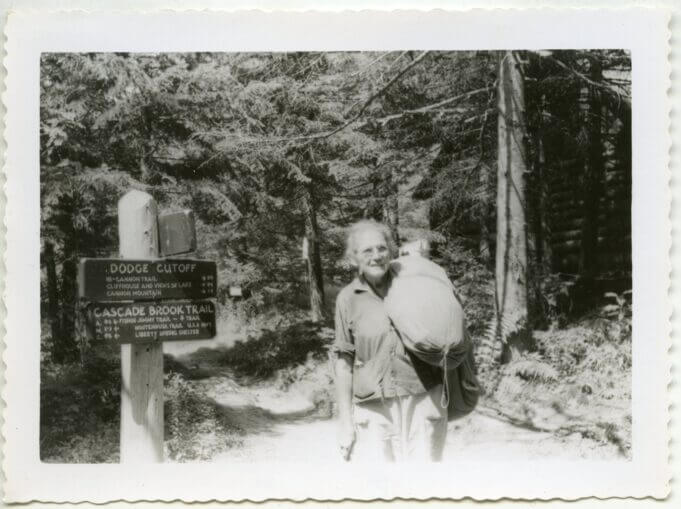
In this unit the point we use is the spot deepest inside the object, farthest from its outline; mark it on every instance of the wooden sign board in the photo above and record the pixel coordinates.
(145, 322)
(111, 279)
(176, 232)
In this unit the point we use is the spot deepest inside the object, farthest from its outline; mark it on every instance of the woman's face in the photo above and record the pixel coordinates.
(372, 254)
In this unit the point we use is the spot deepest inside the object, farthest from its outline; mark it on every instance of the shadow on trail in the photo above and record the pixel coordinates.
(596, 431)
(256, 358)
(242, 383)
(253, 420)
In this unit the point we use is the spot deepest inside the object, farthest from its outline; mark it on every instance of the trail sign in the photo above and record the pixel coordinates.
(112, 279)
(146, 322)
(165, 301)
(176, 232)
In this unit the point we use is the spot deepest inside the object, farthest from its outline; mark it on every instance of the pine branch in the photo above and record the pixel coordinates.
(327, 134)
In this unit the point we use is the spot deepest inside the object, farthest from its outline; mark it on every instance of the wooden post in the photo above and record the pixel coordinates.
(141, 365)
(314, 261)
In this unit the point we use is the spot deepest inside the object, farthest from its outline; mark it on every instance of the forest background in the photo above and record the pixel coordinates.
(516, 166)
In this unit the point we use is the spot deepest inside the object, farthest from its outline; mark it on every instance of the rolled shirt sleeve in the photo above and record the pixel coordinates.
(343, 342)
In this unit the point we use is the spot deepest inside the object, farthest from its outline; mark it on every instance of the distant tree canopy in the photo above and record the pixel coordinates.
(268, 149)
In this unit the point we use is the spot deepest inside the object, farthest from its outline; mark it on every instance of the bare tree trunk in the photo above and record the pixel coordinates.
(391, 212)
(67, 349)
(314, 259)
(53, 300)
(511, 249)
(484, 247)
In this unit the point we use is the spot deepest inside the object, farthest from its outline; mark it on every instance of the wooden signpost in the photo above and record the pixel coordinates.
(140, 301)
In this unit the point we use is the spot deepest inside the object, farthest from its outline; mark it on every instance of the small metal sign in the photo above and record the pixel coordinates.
(232, 211)
(110, 279)
(144, 322)
(176, 232)
(305, 248)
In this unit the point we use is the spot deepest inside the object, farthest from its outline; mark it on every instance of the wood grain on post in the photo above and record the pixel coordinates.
(141, 365)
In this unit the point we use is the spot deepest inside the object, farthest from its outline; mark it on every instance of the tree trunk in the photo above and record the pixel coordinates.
(544, 203)
(53, 301)
(484, 247)
(511, 248)
(592, 186)
(391, 211)
(536, 234)
(66, 347)
(314, 259)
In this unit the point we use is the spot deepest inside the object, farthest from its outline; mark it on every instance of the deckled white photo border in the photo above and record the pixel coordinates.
(643, 31)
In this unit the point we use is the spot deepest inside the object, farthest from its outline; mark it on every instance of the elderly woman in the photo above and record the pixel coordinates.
(388, 399)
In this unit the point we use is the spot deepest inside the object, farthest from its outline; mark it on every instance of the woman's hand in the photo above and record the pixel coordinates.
(346, 439)
(346, 429)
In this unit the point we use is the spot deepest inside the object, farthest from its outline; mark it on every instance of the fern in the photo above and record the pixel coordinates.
(498, 330)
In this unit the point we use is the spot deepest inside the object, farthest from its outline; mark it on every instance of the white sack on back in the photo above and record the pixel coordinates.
(424, 310)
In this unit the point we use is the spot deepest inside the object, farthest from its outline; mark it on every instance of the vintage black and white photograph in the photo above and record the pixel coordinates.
(331, 257)
(257, 256)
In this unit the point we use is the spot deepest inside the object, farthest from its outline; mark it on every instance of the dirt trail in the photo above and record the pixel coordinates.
(286, 426)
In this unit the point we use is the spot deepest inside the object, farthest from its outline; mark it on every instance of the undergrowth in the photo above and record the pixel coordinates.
(313, 379)
(79, 409)
(578, 381)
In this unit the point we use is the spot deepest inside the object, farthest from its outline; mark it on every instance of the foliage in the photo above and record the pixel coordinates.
(93, 446)
(588, 346)
(577, 382)
(557, 298)
(474, 283)
(619, 312)
(79, 408)
(251, 141)
(313, 379)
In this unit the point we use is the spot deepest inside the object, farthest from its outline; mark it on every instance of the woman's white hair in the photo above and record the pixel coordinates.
(367, 225)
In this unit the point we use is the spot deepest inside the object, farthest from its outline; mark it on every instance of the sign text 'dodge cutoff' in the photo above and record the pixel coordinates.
(108, 279)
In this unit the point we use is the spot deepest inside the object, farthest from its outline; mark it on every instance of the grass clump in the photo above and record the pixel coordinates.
(195, 429)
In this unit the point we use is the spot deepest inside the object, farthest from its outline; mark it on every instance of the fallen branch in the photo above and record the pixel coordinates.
(374, 97)
(430, 107)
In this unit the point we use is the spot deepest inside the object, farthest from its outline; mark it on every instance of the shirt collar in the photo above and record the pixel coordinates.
(359, 284)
